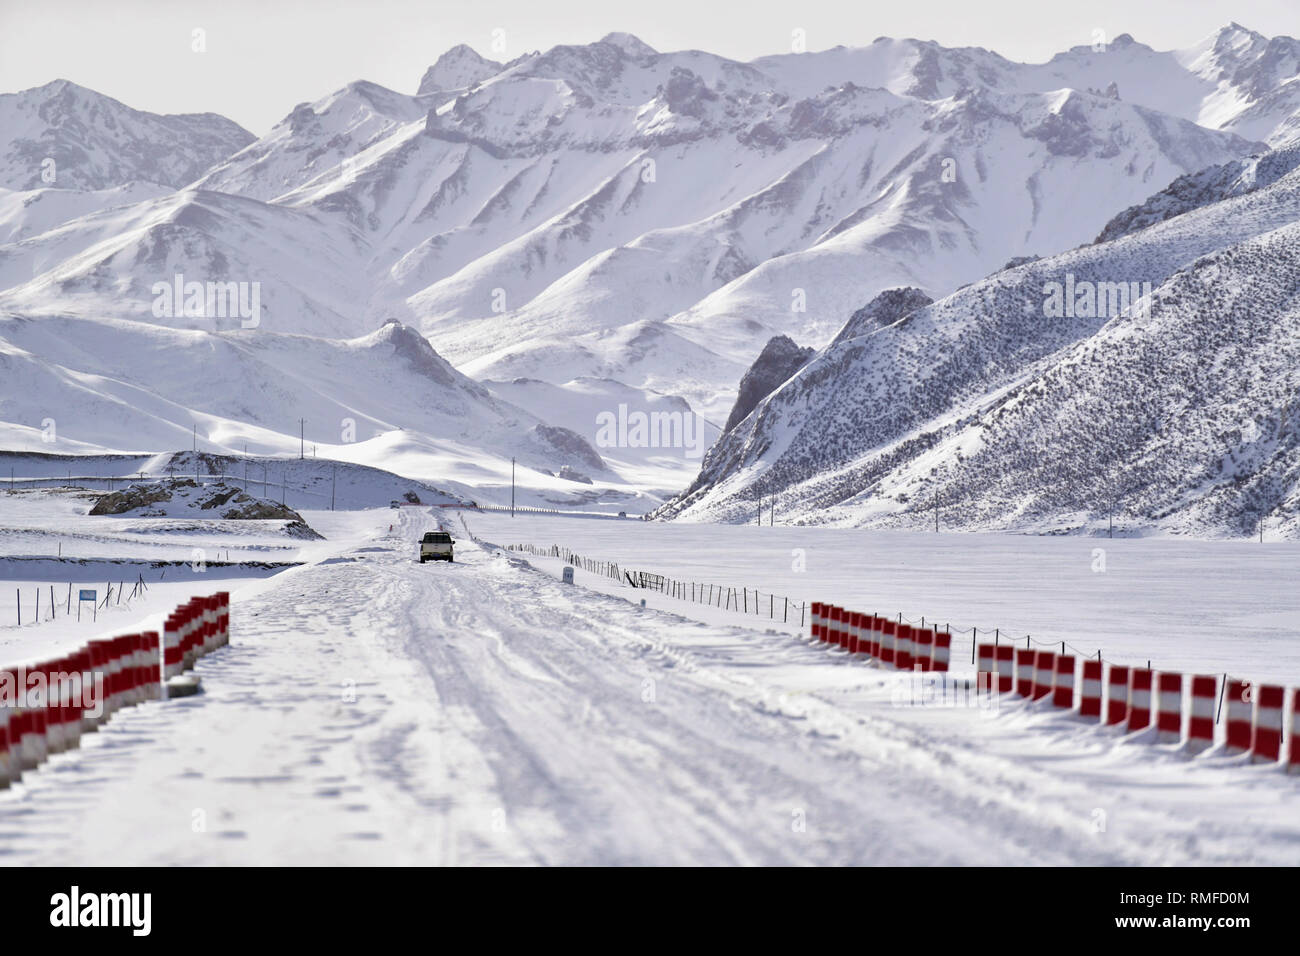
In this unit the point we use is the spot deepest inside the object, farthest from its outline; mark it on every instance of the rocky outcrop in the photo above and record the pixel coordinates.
(570, 443)
(780, 359)
(186, 497)
(885, 309)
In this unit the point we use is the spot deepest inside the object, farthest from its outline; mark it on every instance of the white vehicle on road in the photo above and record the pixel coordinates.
(436, 546)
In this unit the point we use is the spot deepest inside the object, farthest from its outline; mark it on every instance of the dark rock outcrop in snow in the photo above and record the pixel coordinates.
(410, 345)
(885, 309)
(780, 359)
(186, 497)
(570, 443)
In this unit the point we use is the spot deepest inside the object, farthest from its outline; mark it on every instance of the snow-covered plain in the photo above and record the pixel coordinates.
(373, 710)
(51, 548)
(1191, 606)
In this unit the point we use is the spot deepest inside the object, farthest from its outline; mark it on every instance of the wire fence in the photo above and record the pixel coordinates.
(742, 600)
(45, 605)
(606, 569)
(558, 512)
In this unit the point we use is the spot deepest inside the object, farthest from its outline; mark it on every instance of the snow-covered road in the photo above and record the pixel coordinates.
(373, 710)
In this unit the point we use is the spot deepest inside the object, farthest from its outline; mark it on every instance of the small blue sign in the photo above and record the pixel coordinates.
(86, 595)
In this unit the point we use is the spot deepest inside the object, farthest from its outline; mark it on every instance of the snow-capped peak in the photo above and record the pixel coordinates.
(1235, 35)
(629, 44)
(459, 67)
(64, 135)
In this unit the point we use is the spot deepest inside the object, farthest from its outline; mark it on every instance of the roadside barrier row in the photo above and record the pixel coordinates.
(1132, 700)
(48, 704)
(1138, 699)
(901, 646)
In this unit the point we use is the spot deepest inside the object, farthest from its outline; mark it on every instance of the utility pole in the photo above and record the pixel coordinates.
(333, 478)
(302, 438)
(512, 487)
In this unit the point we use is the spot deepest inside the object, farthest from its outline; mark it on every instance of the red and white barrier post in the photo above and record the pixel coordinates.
(986, 674)
(942, 652)
(1200, 726)
(93, 661)
(1117, 695)
(1063, 689)
(14, 739)
(1090, 690)
(1239, 724)
(888, 642)
(1293, 756)
(48, 671)
(1004, 654)
(5, 712)
(1044, 673)
(1024, 672)
(923, 648)
(172, 647)
(223, 618)
(903, 645)
(33, 729)
(1267, 745)
(1139, 699)
(151, 672)
(1169, 708)
(835, 637)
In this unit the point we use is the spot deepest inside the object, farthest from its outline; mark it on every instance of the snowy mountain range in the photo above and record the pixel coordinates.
(591, 228)
(68, 137)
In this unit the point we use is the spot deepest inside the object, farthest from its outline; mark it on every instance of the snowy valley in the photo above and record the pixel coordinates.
(688, 355)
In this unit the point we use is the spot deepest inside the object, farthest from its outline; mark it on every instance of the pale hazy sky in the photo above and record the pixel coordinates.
(265, 56)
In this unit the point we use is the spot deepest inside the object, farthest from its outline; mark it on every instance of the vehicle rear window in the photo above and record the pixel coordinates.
(437, 537)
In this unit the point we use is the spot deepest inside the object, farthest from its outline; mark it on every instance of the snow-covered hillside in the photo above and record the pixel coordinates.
(1176, 409)
(384, 398)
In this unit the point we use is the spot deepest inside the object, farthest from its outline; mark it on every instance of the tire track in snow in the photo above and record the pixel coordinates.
(696, 793)
(501, 717)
